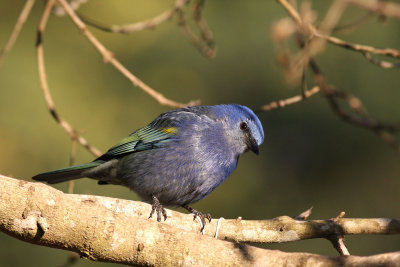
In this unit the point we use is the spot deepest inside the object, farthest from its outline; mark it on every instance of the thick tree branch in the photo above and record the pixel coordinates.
(115, 230)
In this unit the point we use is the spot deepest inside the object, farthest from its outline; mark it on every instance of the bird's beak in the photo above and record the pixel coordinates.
(252, 145)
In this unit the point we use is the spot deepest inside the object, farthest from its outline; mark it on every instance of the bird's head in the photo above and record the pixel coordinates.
(243, 128)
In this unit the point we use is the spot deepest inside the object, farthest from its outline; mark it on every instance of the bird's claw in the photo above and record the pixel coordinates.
(156, 206)
(201, 216)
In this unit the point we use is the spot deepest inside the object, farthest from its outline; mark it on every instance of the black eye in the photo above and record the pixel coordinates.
(244, 126)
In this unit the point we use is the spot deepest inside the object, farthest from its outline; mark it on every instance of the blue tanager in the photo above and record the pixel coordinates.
(176, 160)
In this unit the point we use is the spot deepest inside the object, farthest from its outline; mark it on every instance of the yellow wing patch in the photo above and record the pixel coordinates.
(171, 130)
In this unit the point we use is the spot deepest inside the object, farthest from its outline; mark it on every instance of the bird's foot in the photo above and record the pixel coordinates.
(201, 216)
(156, 206)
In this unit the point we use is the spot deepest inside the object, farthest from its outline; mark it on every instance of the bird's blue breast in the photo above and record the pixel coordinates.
(186, 168)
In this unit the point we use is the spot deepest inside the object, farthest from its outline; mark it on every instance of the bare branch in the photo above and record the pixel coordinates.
(383, 130)
(337, 239)
(74, 135)
(356, 114)
(17, 28)
(291, 100)
(205, 31)
(116, 230)
(380, 63)
(205, 46)
(313, 32)
(139, 26)
(205, 43)
(386, 8)
(360, 48)
(109, 58)
(74, 4)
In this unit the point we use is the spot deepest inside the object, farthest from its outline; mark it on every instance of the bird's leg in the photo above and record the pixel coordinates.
(198, 214)
(156, 206)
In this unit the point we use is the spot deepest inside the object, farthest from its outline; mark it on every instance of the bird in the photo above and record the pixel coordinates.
(177, 159)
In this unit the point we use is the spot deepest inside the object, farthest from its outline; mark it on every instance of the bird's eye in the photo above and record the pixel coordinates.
(244, 126)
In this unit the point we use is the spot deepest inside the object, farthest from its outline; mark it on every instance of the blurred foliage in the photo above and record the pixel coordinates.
(309, 158)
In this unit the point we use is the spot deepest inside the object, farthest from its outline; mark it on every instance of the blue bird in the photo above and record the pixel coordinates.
(177, 159)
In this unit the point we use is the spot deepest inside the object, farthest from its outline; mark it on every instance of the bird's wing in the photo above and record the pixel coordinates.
(145, 138)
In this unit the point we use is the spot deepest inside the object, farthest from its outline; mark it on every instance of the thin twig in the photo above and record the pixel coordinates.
(74, 4)
(205, 31)
(337, 237)
(205, 44)
(357, 114)
(17, 28)
(386, 8)
(383, 130)
(203, 47)
(360, 48)
(139, 26)
(151, 23)
(71, 163)
(291, 100)
(109, 58)
(381, 63)
(45, 87)
(339, 244)
(292, 11)
(313, 32)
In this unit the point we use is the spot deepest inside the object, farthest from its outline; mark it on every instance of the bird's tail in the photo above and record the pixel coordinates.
(65, 174)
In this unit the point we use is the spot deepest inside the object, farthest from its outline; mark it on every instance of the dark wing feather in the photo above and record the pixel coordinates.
(145, 138)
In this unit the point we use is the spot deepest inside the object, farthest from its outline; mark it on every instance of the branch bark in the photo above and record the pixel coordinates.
(115, 230)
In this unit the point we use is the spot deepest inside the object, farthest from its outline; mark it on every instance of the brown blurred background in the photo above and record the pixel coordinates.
(309, 158)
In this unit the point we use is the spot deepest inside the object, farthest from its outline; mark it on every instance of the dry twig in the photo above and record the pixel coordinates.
(327, 26)
(205, 32)
(139, 26)
(291, 100)
(205, 43)
(74, 135)
(17, 28)
(356, 114)
(109, 58)
(386, 8)
(360, 48)
(383, 130)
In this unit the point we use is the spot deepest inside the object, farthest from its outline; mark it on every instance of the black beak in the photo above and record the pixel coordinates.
(252, 145)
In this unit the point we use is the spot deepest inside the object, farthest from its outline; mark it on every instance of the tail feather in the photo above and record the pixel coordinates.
(65, 174)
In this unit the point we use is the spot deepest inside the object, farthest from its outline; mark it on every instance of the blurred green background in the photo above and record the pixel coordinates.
(309, 158)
